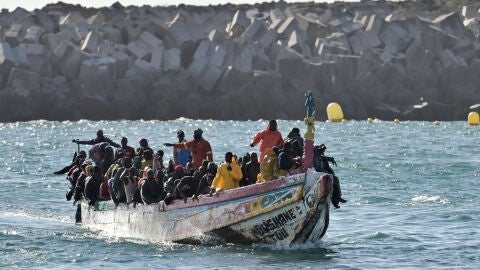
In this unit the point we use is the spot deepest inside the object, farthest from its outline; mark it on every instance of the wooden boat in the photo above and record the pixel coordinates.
(293, 209)
(290, 210)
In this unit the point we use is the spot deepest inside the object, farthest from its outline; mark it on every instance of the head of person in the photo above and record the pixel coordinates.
(179, 171)
(190, 168)
(295, 130)
(124, 141)
(228, 157)
(82, 154)
(197, 134)
(212, 168)
(180, 135)
(99, 134)
(254, 157)
(160, 154)
(149, 174)
(272, 125)
(319, 149)
(143, 142)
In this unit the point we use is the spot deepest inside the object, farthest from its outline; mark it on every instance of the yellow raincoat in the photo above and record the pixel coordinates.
(225, 179)
(268, 167)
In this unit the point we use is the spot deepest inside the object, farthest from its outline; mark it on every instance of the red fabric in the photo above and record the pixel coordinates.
(104, 191)
(267, 139)
(200, 150)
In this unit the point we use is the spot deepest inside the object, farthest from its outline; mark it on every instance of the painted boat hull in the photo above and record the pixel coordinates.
(289, 210)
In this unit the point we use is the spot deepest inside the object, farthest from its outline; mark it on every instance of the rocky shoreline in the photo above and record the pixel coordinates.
(413, 60)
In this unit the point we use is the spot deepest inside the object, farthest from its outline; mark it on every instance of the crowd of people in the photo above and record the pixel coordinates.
(126, 175)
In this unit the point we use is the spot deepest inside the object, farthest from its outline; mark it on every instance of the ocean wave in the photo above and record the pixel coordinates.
(428, 199)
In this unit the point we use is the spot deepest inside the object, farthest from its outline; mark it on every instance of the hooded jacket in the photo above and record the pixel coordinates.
(225, 179)
(267, 139)
(268, 166)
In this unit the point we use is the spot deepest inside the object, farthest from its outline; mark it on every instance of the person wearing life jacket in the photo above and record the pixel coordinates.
(269, 166)
(200, 148)
(124, 150)
(99, 139)
(321, 164)
(180, 156)
(268, 138)
(228, 175)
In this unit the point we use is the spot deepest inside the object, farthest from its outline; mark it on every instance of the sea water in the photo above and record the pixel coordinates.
(412, 189)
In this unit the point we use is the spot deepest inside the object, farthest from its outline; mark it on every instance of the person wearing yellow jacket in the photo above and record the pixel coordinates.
(269, 166)
(228, 175)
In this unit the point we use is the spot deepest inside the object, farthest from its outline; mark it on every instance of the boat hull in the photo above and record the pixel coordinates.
(290, 210)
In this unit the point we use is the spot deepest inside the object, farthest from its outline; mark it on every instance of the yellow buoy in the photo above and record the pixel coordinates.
(370, 120)
(396, 121)
(334, 112)
(436, 123)
(473, 118)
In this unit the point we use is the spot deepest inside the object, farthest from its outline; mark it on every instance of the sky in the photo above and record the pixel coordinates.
(33, 4)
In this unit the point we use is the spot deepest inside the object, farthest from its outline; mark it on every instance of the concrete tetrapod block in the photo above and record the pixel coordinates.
(69, 59)
(469, 12)
(21, 55)
(216, 36)
(113, 34)
(197, 67)
(452, 24)
(31, 79)
(244, 61)
(255, 29)
(51, 41)
(203, 50)
(210, 77)
(90, 44)
(14, 35)
(363, 40)
(34, 33)
(375, 24)
(67, 32)
(395, 36)
(268, 38)
(218, 56)
(171, 59)
(296, 42)
(72, 19)
(7, 58)
(150, 40)
(239, 23)
(157, 57)
(139, 49)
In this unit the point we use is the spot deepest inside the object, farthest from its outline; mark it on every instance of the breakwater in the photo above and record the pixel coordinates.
(375, 58)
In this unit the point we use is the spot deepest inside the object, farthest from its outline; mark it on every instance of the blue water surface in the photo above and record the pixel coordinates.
(412, 191)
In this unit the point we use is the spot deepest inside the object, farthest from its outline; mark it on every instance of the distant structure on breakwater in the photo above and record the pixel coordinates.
(406, 60)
